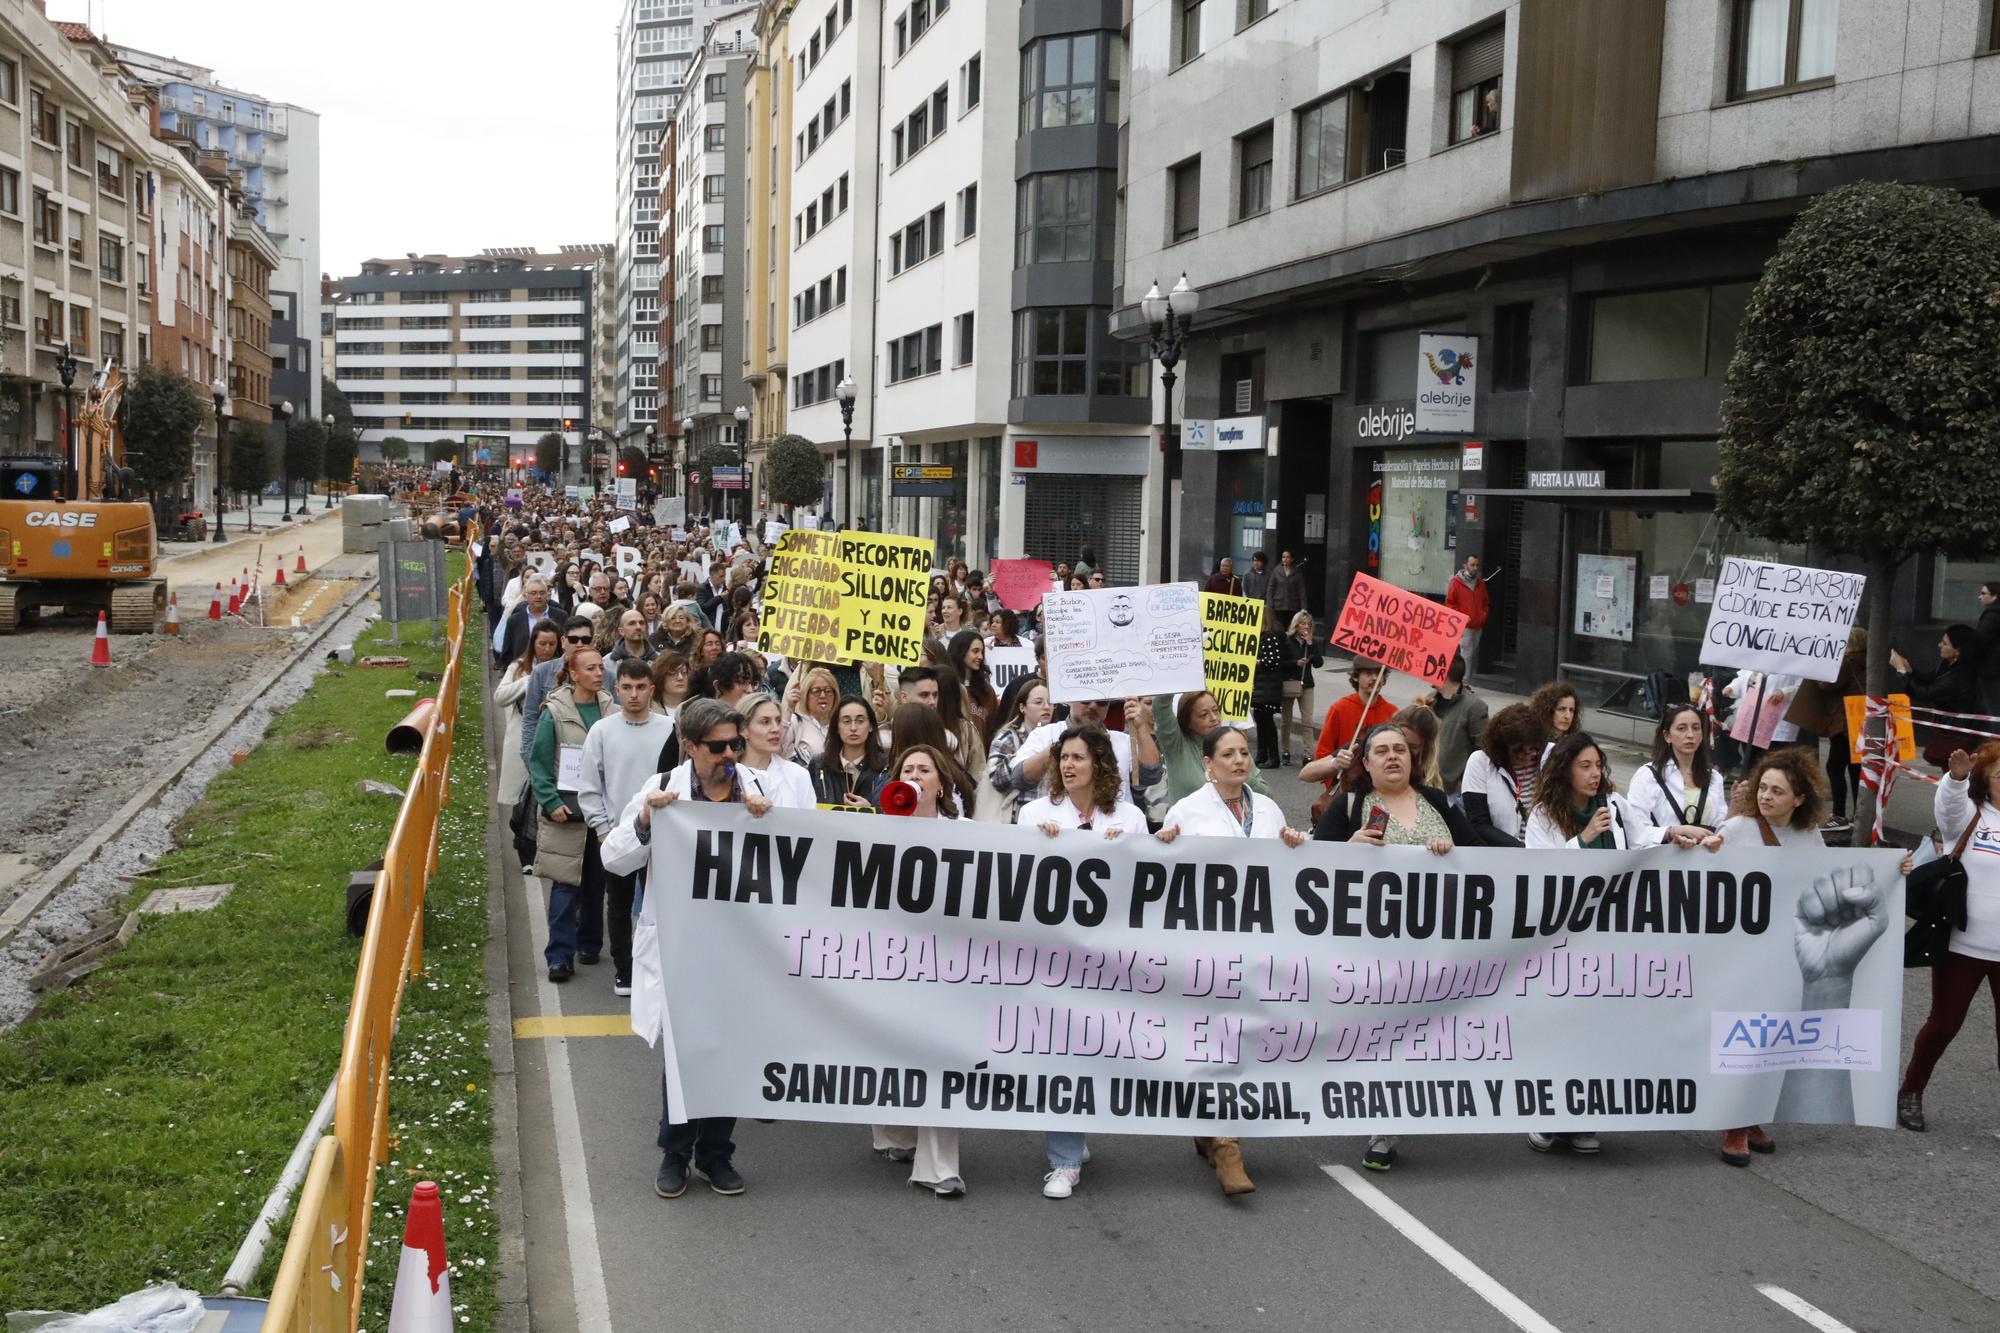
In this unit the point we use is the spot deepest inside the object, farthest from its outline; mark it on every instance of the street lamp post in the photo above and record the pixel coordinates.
(1170, 315)
(284, 411)
(687, 442)
(743, 459)
(844, 391)
(66, 371)
(326, 481)
(220, 393)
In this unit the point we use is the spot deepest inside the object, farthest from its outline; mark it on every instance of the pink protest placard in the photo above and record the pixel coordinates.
(1401, 630)
(1019, 584)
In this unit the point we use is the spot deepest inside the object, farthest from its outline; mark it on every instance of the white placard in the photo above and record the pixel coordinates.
(1447, 382)
(773, 530)
(1657, 589)
(1789, 620)
(1474, 457)
(569, 767)
(619, 524)
(671, 511)
(1355, 991)
(628, 492)
(1005, 664)
(1108, 643)
(544, 561)
(1704, 590)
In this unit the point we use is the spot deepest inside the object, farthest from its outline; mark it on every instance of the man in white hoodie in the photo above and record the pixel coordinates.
(619, 754)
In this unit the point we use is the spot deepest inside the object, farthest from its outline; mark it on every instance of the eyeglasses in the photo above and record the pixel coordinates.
(1097, 578)
(735, 745)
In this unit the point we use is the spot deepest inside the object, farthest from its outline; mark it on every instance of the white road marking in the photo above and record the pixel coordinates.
(586, 1263)
(1517, 1311)
(1803, 1308)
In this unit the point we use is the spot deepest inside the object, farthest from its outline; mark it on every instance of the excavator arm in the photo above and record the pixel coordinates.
(97, 422)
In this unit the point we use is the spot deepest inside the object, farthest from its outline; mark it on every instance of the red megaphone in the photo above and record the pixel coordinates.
(899, 798)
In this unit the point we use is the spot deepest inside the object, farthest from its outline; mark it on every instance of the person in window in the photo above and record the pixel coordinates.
(1082, 795)
(1486, 120)
(1225, 807)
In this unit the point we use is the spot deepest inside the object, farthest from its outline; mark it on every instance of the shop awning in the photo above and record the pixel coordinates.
(1682, 500)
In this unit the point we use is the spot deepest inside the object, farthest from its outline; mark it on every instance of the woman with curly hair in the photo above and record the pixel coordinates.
(1557, 708)
(1499, 783)
(1781, 804)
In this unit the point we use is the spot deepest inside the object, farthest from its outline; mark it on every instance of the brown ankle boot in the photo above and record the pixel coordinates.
(1203, 1147)
(1229, 1172)
(1736, 1147)
(1761, 1140)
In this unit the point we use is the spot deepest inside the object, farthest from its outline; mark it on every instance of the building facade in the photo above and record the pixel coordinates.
(253, 260)
(272, 148)
(702, 306)
(492, 350)
(767, 207)
(1590, 192)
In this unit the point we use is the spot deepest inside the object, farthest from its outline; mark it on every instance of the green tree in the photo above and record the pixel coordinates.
(634, 461)
(334, 403)
(394, 449)
(249, 458)
(162, 411)
(444, 450)
(337, 460)
(1857, 416)
(798, 473)
(305, 444)
(548, 453)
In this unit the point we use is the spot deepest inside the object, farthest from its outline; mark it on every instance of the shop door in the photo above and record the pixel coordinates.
(1065, 514)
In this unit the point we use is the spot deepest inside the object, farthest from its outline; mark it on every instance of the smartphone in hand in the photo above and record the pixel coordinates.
(1378, 820)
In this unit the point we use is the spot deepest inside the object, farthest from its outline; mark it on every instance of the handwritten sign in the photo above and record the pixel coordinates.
(1108, 643)
(802, 598)
(1402, 631)
(1230, 628)
(885, 581)
(1019, 584)
(619, 524)
(1790, 620)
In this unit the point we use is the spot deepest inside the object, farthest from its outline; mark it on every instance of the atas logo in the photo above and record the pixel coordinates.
(26, 483)
(1449, 365)
(61, 518)
(1748, 1043)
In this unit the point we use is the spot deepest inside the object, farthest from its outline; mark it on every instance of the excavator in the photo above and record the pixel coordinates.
(71, 534)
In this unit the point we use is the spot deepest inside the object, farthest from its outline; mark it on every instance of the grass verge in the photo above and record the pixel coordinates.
(149, 1109)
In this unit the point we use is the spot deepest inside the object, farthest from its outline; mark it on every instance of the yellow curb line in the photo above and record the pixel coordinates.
(575, 1025)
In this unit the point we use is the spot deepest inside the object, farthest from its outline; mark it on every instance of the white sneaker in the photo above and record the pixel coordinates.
(1061, 1182)
(1584, 1143)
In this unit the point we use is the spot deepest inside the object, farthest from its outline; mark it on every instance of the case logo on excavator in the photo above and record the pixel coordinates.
(62, 518)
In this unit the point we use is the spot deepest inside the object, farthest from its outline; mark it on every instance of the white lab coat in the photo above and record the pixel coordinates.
(1629, 828)
(1505, 804)
(1662, 803)
(621, 854)
(785, 784)
(1041, 738)
(1203, 814)
(1062, 812)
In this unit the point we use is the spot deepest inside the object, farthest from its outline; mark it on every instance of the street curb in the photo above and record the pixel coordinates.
(57, 877)
(511, 1285)
(206, 547)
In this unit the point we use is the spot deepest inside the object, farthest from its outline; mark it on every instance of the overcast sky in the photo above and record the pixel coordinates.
(445, 125)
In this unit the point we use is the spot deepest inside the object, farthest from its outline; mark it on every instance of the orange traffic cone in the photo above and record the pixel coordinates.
(246, 590)
(300, 568)
(235, 596)
(215, 604)
(280, 580)
(173, 613)
(100, 647)
(422, 1300)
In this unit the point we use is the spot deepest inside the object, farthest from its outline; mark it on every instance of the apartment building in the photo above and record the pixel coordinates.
(272, 149)
(655, 42)
(702, 305)
(767, 209)
(1590, 191)
(79, 189)
(494, 349)
(253, 260)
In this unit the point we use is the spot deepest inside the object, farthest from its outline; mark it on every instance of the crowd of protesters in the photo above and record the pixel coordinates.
(626, 656)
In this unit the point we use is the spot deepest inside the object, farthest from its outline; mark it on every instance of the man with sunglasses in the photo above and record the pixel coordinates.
(712, 737)
(577, 631)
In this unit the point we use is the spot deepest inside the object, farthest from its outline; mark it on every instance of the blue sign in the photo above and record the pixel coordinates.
(59, 550)
(26, 482)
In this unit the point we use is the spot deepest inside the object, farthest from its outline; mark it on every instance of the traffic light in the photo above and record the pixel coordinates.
(621, 467)
(569, 423)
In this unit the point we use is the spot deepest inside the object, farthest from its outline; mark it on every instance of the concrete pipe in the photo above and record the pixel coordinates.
(407, 736)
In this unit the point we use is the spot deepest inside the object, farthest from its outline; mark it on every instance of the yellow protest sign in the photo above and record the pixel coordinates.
(801, 618)
(1899, 715)
(1230, 627)
(885, 582)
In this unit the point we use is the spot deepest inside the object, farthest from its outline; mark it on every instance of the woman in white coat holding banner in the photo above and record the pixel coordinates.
(1225, 807)
(1680, 788)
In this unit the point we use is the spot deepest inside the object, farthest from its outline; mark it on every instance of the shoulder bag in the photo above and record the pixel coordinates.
(1934, 899)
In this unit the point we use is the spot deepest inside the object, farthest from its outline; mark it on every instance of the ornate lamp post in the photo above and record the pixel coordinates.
(743, 459)
(1170, 315)
(219, 391)
(325, 481)
(844, 391)
(284, 411)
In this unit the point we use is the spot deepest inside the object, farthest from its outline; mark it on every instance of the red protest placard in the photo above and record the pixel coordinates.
(1019, 584)
(1401, 630)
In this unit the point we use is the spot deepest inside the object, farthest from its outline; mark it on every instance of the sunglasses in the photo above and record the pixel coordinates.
(1097, 578)
(572, 638)
(736, 745)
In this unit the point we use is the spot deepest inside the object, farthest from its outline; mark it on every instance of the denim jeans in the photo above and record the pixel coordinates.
(705, 1141)
(1063, 1149)
(576, 913)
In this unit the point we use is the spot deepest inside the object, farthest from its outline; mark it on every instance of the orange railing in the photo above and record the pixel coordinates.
(318, 1287)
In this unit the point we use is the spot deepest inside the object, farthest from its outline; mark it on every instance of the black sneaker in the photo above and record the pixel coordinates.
(621, 985)
(587, 959)
(561, 972)
(724, 1178)
(1381, 1154)
(672, 1182)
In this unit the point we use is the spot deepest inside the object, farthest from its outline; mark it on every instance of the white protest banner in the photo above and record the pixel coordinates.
(860, 968)
(1447, 382)
(618, 524)
(1107, 643)
(542, 561)
(1004, 665)
(773, 530)
(671, 511)
(1789, 620)
(627, 491)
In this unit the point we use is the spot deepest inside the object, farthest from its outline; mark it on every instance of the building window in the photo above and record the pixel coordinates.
(1386, 364)
(711, 388)
(1051, 352)
(1059, 220)
(961, 339)
(1322, 146)
(78, 225)
(1508, 366)
(969, 90)
(916, 354)
(711, 240)
(1253, 172)
(1187, 30)
(111, 258)
(73, 143)
(919, 241)
(716, 87)
(711, 291)
(79, 327)
(712, 188)
(1475, 83)
(10, 192)
(48, 220)
(10, 83)
(968, 211)
(1184, 200)
(1249, 11)
(1059, 83)
(711, 337)
(1353, 133)
(1682, 333)
(43, 119)
(714, 138)
(1780, 43)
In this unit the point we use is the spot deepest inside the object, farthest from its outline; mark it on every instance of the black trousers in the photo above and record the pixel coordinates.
(1266, 718)
(618, 919)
